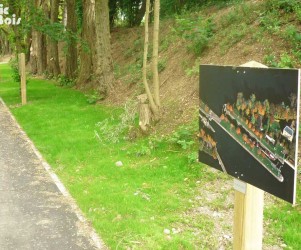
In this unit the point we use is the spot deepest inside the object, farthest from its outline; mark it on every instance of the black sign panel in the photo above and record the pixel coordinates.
(249, 124)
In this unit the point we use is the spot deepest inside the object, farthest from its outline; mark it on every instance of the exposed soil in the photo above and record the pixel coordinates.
(178, 91)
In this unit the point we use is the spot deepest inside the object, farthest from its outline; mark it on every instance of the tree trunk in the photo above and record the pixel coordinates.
(104, 70)
(53, 63)
(156, 80)
(153, 105)
(41, 44)
(28, 46)
(87, 55)
(41, 53)
(71, 57)
(34, 52)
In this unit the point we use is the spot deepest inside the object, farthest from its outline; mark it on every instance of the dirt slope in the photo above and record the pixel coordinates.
(179, 77)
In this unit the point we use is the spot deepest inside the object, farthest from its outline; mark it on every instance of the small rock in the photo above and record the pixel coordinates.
(175, 231)
(228, 237)
(283, 245)
(216, 214)
(166, 231)
(119, 164)
(198, 182)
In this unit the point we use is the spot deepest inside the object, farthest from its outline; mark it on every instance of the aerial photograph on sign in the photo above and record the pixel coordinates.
(249, 125)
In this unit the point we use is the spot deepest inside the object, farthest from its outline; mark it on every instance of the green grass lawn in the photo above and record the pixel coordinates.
(129, 206)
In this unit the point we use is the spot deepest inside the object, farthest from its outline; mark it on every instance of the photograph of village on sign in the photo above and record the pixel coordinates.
(248, 125)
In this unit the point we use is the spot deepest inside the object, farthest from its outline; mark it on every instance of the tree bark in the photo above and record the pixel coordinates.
(41, 53)
(28, 46)
(87, 55)
(153, 105)
(156, 80)
(40, 43)
(34, 52)
(53, 63)
(104, 71)
(71, 57)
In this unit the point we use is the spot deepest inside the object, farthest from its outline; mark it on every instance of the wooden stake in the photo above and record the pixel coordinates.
(248, 209)
(23, 77)
(248, 218)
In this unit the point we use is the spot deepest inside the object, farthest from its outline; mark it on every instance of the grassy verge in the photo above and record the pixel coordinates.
(156, 188)
(130, 206)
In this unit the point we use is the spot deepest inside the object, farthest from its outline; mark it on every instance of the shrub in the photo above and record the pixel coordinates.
(287, 6)
(14, 64)
(183, 137)
(197, 31)
(64, 81)
(110, 131)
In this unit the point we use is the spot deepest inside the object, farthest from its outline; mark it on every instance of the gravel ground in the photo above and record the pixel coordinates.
(36, 212)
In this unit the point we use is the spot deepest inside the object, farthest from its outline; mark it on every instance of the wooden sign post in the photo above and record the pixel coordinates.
(23, 77)
(248, 217)
(248, 123)
(248, 208)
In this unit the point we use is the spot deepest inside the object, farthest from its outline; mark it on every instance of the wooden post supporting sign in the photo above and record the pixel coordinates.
(248, 209)
(248, 217)
(23, 77)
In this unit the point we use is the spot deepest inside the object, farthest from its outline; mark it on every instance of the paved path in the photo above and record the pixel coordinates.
(34, 214)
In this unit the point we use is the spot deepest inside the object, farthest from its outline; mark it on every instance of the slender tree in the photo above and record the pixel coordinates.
(39, 46)
(104, 69)
(152, 103)
(53, 61)
(155, 52)
(88, 49)
(71, 29)
(154, 98)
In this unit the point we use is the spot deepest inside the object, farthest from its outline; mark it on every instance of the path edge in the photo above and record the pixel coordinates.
(94, 237)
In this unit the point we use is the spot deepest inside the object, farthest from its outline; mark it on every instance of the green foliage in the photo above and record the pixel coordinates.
(243, 13)
(234, 36)
(192, 158)
(287, 6)
(137, 48)
(144, 150)
(126, 12)
(194, 70)
(79, 13)
(93, 97)
(171, 7)
(270, 60)
(293, 34)
(277, 11)
(165, 43)
(197, 31)
(133, 73)
(115, 129)
(285, 61)
(64, 81)
(14, 64)
(183, 137)
(162, 65)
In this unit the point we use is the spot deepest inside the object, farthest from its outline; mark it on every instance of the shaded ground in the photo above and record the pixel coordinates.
(34, 214)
